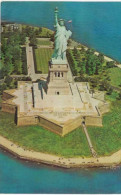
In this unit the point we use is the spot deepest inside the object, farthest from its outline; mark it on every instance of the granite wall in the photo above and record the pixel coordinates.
(8, 108)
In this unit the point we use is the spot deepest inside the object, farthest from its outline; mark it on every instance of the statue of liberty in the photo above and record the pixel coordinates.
(61, 37)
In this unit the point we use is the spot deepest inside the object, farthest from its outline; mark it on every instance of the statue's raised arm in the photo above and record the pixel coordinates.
(56, 16)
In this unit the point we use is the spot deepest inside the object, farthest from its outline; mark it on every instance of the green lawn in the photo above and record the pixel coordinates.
(42, 56)
(43, 42)
(38, 139)
(111, 98)
(115, 76)
(107, 139)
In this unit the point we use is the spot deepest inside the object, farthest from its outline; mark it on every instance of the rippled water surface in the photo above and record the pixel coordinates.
(24, 177)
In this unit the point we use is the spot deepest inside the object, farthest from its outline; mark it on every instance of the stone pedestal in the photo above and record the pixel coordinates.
(57, 79)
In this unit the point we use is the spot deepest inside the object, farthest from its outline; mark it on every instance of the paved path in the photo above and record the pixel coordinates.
(94, 154)
(30, 61)
(45, 46)
(30, 65)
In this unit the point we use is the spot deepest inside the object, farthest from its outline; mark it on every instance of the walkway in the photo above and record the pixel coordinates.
(94, 154)
(30, 65)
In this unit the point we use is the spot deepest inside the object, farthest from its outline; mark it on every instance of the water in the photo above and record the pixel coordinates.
(24, 177)
(96, 24)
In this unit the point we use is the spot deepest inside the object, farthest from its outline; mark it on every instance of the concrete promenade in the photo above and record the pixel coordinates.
(108, 161)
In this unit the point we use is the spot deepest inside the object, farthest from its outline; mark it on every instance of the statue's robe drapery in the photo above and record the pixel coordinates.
(61, 38)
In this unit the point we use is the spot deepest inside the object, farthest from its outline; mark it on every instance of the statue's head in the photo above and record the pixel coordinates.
(61, 22)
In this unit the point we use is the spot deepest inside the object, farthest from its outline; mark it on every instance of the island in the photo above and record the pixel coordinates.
(60, 100)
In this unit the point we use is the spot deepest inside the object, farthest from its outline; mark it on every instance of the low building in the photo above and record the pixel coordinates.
(11, 27)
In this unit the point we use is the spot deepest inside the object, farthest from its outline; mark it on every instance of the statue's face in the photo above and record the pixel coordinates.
(61, 22)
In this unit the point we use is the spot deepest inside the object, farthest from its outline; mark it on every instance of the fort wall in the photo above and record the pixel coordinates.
(8, 108)
(72, 125)
(53, 126)
(93, 121)
(26, 120)
(104, 108)
(50, 125)
(6, 96)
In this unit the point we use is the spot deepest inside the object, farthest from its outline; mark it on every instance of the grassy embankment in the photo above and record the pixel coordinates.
(38, 139)
(115, 76)
(42, 56)
(107, 139)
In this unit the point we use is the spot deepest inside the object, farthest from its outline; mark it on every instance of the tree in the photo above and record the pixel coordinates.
(119, 96)
(3, 45)
(22, 38)
(110, 64)
(94, 82)
(91, 64)
(90, 51)
(40, 30)
(33, 41)
(82, 51)
(52, 38)
(75, 51)
(104, 86)
(78, 55)
(82, 66)
(109, 91)
(2, 88)
(8, 80)
(28, 30)
(101, 57)
(17, 67)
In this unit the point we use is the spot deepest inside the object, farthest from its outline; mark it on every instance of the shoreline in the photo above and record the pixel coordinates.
(63, 162)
